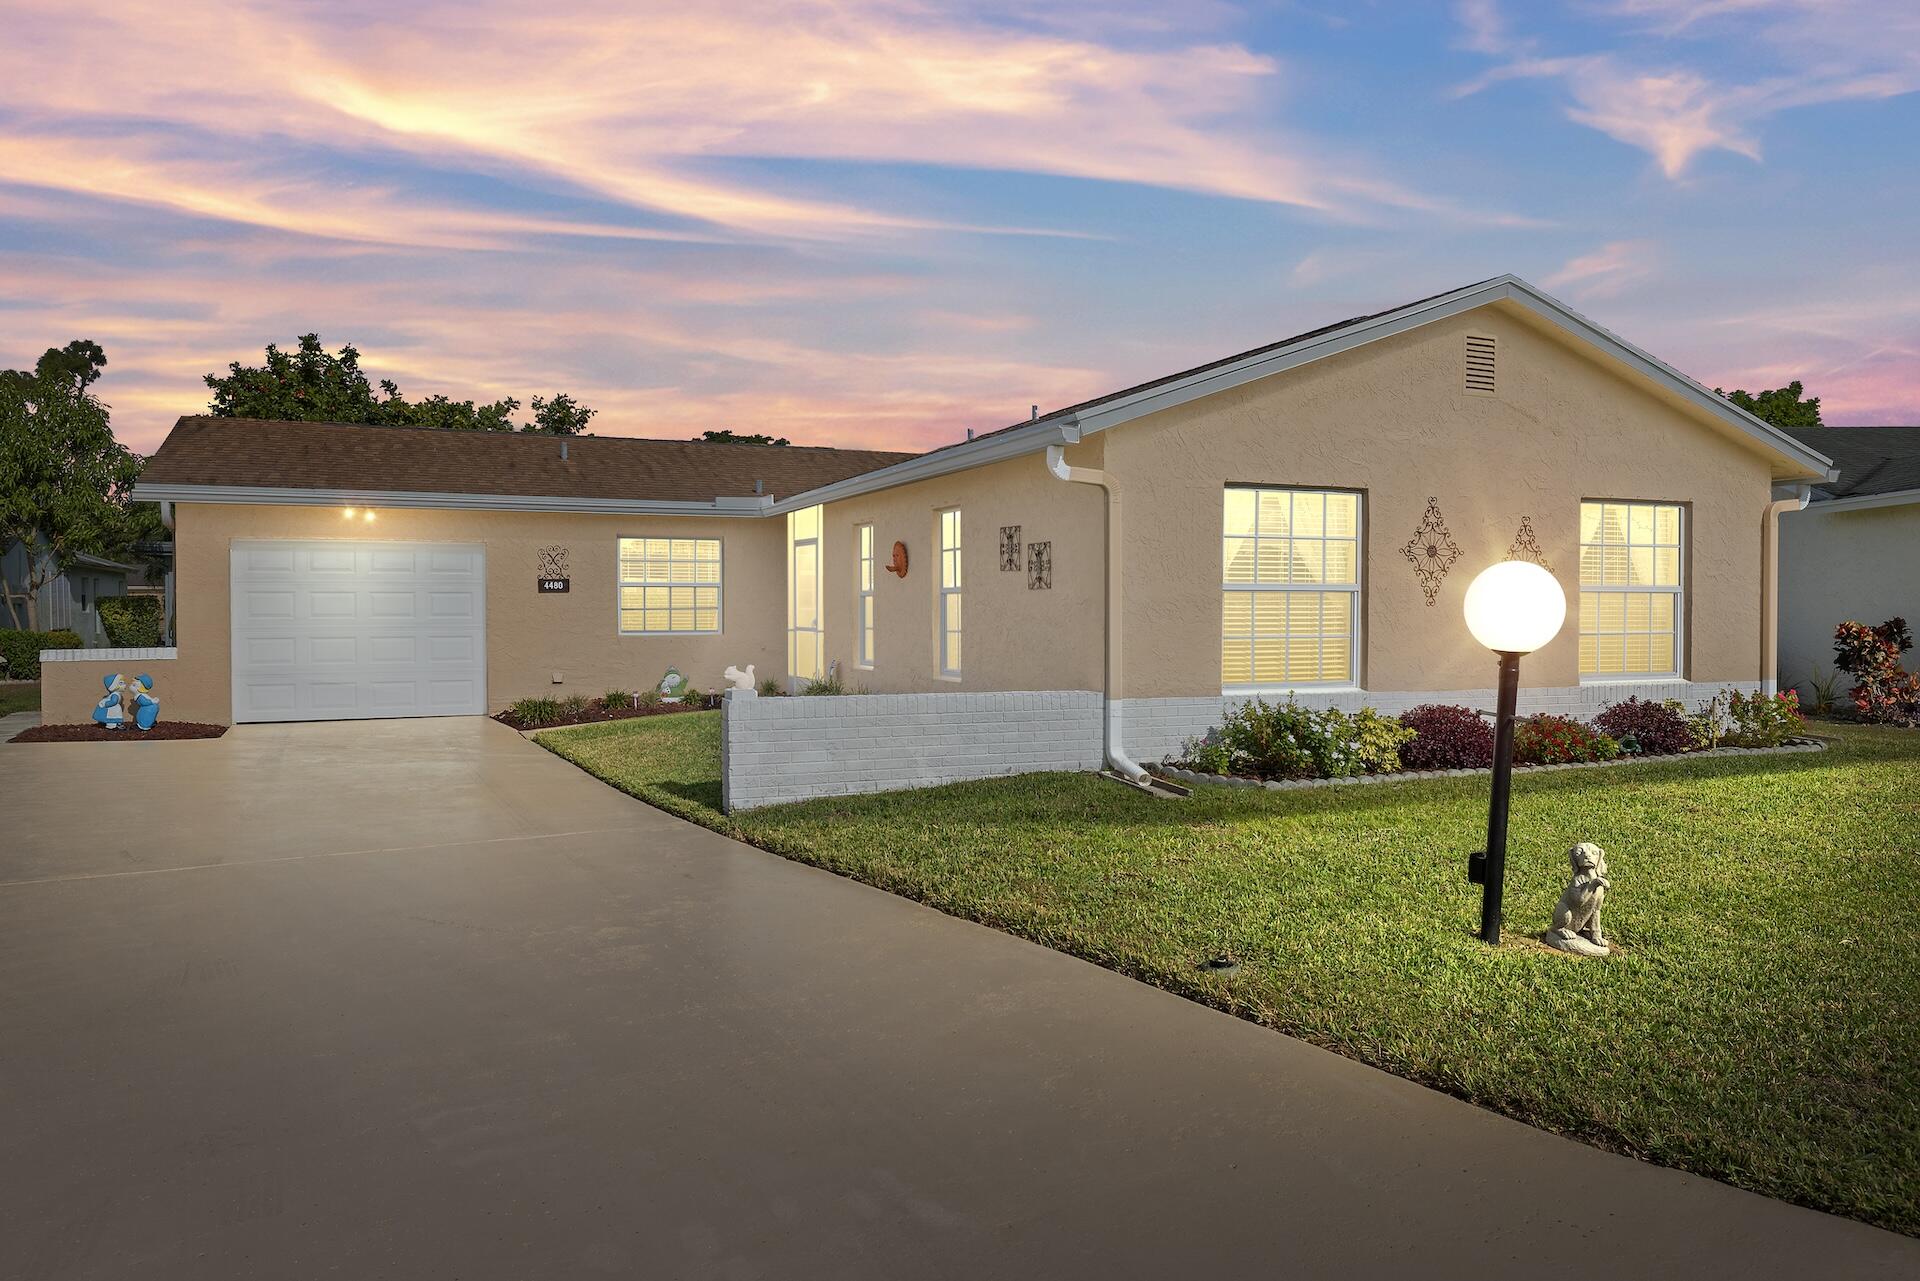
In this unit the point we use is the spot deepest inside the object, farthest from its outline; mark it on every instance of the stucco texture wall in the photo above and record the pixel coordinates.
(1015, 637)
(69, 690)
(1393, 419)
(530, 635)
(1839, 566)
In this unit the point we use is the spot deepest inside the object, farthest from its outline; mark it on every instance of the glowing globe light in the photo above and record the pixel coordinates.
(1515, 607)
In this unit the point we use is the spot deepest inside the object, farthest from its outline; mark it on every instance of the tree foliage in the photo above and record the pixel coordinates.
(312, 384)
(1782, 406)
(64, 479)
(736, 438)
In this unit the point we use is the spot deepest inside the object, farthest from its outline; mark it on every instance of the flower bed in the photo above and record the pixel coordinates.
(615, 705)
(1286, 744)
(90, 733)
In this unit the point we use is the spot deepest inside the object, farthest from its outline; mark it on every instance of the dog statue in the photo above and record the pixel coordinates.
(740, 679)
(1576, 918)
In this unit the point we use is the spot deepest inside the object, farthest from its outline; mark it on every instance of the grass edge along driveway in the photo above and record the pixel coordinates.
(1759, 1023)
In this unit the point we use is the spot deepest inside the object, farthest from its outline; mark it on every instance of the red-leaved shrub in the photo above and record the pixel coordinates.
(1654, 729)
(1546, 739)
(1446, 737)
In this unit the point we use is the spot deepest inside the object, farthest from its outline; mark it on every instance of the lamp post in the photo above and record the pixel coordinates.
(1513, 608)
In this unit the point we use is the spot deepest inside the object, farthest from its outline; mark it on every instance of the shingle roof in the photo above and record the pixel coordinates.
(1872, 460)
(271, 454)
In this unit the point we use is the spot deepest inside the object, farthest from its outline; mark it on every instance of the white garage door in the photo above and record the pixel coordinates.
(340, 630)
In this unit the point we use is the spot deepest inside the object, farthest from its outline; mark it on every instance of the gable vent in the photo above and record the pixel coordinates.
(1479, 364)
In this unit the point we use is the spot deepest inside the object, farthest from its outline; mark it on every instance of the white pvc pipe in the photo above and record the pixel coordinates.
(1112, 746)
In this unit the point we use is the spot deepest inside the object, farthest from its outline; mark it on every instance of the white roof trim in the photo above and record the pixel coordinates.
(1068, 428)
(1861, 502)
(725, 506)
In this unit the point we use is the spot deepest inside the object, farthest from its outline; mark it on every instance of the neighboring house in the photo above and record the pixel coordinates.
(1854, 552)
(68, 601)
(1260, 524)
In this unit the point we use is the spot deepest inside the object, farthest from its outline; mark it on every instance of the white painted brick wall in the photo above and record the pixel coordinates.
(107, 655)
(1155, 728)
(774, 750)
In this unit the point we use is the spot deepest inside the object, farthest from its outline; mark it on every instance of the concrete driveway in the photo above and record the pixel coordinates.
(417, 999)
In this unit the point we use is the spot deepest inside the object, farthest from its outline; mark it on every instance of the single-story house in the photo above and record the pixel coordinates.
(65, 602)
(1303, 518)
(1853, 552)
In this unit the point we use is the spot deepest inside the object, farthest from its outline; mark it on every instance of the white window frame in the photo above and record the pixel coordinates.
(813, 638)
(945, 594)
(621, 583)
(1357, 590)
(865, 624)
(1677, 590)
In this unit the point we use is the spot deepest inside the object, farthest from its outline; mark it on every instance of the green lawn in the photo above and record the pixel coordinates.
(1759, 1023)
(19, 698)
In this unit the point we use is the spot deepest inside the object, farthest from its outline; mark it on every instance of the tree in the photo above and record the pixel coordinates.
(64, 479)
(1782, 407)
(313, 384)
(561, 416)
(735, 438)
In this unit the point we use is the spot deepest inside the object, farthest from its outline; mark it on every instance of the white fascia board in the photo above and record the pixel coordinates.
(1028, 439)
(727, 506)
(1504, 288)
(1862, 502)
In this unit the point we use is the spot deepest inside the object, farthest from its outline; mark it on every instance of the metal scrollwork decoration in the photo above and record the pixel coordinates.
(1526, 546)
(1009, 549)
(553, 562)
(1431, 551)
(1040, 566)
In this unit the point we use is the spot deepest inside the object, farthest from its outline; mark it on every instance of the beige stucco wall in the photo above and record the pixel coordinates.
(1839, 566)
(529, 635)
(1392, 419)
(1015, 638)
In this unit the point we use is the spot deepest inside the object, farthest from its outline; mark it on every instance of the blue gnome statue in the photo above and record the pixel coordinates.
(108, 712)
(146, 707)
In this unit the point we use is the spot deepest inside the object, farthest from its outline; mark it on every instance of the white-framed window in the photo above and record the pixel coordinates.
(863, 596)
(806, 629)
(947, 615)
(1290, 588)
(1632, 595)
(669, 585)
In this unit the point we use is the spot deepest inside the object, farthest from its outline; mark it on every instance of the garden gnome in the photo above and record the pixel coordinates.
(146, 707)
(1576, 918)
(107, 711)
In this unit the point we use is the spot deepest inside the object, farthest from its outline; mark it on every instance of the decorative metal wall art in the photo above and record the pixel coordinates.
(1009, 549)
(553, 570)
(1431, 551)
(1039, 566)
(1526, 546)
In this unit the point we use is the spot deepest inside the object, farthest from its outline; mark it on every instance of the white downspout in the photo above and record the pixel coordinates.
(1770, 586)
(1112, 744)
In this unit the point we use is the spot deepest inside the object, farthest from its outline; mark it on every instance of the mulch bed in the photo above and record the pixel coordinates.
(594, 713)
(99, 734)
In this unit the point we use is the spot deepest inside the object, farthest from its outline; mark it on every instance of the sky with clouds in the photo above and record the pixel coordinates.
(881, 223)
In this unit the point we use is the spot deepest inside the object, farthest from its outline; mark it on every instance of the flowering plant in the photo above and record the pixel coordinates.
(1546, 739)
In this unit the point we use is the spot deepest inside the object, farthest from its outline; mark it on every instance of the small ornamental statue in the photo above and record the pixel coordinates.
(1576, 918)
(672, 685)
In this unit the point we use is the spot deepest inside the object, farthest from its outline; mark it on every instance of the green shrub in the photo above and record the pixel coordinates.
(616, 699)
(22, 649)
(1759, 721)
(770, 688)
(691, 697)
(574, 704)
(1286, 740)
(131, 621)
(648, 699)
(529, 712)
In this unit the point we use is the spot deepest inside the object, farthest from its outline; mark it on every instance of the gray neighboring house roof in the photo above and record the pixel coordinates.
(1879, 466)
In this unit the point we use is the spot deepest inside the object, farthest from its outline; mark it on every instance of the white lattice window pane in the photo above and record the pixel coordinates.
(1590, 522)
(1274, 506)
(1660, 616)
(1336, 659)
(1241, 506)
(1636, 659)
(1309, 561)
(1612, 653)
(1666, 566)
(1237, 561)
(1343, 515)
(1666, 524)
(1236, 613)
(1236, 661)
(1270, 661)
(1343, 562)
(1640, 566)
(1273, 561)
(1640, 524)
(1660, 657)
(1589, 655)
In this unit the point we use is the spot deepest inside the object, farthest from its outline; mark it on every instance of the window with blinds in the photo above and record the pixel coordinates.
(669, 585)
(1290, 589)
